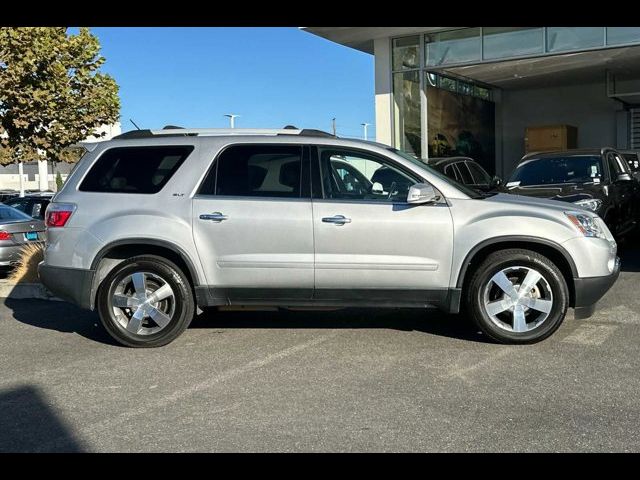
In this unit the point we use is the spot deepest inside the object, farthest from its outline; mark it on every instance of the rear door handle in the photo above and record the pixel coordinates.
(337, 220)
(214, 217)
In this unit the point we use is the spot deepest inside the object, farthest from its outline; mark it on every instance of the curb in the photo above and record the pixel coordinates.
(23, 291)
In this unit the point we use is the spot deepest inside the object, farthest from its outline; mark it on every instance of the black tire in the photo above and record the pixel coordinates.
(480, 283)
(182, 302)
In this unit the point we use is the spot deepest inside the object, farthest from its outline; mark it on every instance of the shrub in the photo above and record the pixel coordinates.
(26, 268)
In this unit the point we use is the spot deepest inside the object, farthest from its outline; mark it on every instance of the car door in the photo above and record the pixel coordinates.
(376, 248)
(252, 224)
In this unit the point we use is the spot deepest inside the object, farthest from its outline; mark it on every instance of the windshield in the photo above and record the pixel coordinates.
(476, 194)
(558, 170)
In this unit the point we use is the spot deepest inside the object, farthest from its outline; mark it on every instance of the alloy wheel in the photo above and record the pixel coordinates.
(143, 303)
(518, 299)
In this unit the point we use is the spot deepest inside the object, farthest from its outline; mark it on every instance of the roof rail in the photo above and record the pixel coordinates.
(172, 131)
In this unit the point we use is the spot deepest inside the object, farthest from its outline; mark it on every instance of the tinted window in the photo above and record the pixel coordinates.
(633, 160)
(555, 170)
(357, 176)
(479, 175)
(9, 213)
(21, 204)
(464, 172)
(452, 171)
(256, 171)
(134, 169)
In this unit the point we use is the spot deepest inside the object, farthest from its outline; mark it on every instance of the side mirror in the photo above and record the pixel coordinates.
(496, 181)
(422, 193)
(623, 177)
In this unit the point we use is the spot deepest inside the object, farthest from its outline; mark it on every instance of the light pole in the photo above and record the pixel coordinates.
(232, 119)
(365, 125)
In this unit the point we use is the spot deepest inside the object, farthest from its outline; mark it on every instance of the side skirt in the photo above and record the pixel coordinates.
(445, 299)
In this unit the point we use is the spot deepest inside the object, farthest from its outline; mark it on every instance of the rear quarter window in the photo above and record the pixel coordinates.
(135, 169)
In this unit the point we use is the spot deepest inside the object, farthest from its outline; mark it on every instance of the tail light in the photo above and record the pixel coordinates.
(58, 214)
(4, 235)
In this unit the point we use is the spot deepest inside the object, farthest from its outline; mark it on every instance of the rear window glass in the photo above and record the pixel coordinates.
(135, 169)
(9, 213)
(559, 170)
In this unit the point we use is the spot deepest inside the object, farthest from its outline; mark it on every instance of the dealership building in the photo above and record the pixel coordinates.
(495, 93)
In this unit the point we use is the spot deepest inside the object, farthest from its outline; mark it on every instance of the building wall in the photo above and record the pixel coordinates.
(585, 106)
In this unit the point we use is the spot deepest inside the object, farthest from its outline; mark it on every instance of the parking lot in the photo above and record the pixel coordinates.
(351, 380)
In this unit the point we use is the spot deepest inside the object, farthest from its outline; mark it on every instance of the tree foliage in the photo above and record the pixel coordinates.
(52, 93)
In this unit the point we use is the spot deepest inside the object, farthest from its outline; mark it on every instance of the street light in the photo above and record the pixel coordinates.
(365, 125)
(232, 119)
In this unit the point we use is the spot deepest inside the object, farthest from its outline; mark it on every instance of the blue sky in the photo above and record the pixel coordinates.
(269, 76)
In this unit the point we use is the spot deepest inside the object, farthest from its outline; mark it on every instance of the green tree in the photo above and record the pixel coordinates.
(59, 182)
(52, 94)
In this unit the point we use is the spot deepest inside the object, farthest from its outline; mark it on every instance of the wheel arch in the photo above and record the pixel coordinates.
(550, 249)
(115, 252)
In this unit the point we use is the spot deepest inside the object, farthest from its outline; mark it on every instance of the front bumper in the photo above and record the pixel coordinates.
(71, 284)
(590, 290)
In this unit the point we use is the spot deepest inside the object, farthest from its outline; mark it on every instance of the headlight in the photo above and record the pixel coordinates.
(592, 204)
(587, 224)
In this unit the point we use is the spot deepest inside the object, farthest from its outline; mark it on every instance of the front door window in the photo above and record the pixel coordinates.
(348, 175)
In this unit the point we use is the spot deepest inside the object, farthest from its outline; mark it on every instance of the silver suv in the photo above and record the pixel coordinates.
(153, 224)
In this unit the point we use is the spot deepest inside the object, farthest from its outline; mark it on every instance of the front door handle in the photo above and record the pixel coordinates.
(214, 217)
(337, 220)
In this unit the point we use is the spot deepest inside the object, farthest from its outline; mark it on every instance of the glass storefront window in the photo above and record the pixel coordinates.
(465, 88)
(482, 92)
(622, 35)
(406, 106)
(457, 46)
(574, 38)
(406, 53)
(448, 84)
(504, 42)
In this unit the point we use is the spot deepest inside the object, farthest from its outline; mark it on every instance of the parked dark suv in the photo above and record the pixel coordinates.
(466, 171)
(599, 180)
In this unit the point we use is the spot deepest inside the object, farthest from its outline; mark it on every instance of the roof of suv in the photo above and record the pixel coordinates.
(565, 153)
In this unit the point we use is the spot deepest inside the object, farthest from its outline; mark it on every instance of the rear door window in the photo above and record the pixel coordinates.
(135, 169)
(256, 171)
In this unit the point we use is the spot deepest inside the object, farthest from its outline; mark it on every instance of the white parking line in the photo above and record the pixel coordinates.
(589, 334)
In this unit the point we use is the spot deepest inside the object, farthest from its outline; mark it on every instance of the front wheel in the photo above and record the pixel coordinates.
(517, 296)
(145, 301)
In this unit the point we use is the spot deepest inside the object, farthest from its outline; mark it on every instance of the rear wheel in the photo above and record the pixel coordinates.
(517, 296)
(145, 301)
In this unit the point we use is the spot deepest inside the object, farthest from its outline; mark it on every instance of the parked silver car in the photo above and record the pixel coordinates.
(154, 223)
(16, 230)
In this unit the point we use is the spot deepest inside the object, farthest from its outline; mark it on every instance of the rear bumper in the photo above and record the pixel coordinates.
(70, 284)
(590, 290)
(10, 254)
